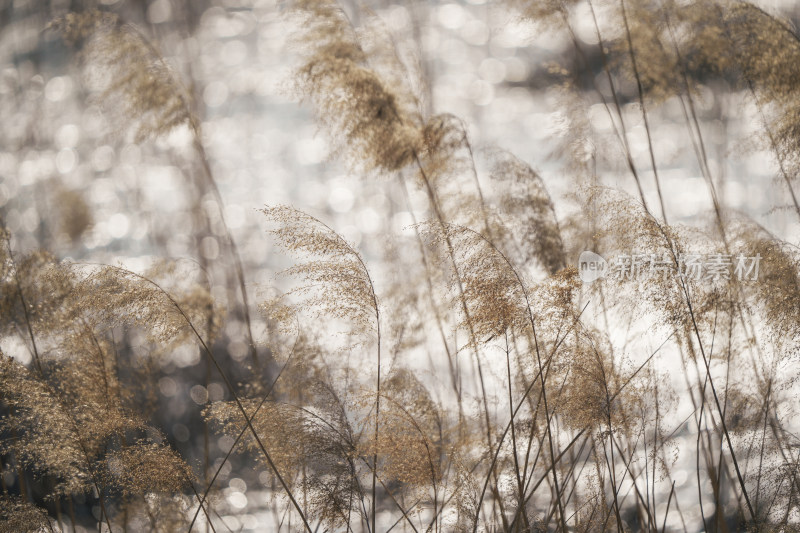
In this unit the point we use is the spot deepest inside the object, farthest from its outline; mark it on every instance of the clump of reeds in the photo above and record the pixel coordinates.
(545, 419)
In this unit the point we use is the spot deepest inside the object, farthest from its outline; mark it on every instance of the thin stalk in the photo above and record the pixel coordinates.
(377, 410)
(718, 405)
(454, 374)
(194, 125)
(237, 260)
(230, 388)
(612, 467)
(623, 134)
(520, 482)
(57, 396)
(508, 426)
(462, 299)
(666, 511)
(644, 110)
(36, 360)
(210, 484)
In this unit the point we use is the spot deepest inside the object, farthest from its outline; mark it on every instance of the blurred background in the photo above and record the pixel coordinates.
(75, 181)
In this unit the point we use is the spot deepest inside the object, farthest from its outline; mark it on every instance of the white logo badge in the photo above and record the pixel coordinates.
(591, 266)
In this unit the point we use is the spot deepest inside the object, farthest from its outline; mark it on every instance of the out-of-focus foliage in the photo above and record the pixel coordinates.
(436, 363)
